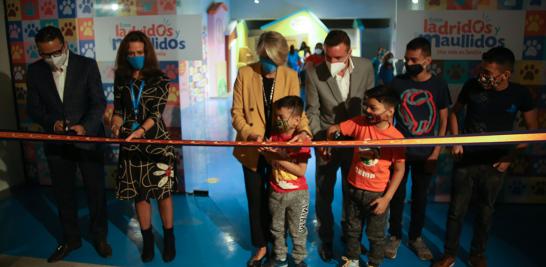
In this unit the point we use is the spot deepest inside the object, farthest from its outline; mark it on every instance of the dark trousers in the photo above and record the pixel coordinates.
(326, 172)
(485, 182)
(359, 211)
(63, 161)
(420, 181)
(257, 186)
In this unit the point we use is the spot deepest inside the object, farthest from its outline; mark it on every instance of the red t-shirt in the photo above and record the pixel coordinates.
(316, 59)
(371, 171)
(282, 181)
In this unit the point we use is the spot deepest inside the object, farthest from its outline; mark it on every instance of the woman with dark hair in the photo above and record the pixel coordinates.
(294, 60)
(145, 171)
(386, 71)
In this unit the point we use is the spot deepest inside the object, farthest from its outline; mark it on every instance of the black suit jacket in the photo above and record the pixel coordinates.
(84, 101)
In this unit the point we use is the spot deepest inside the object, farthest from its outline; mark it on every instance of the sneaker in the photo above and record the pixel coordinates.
(301, 264)
(349, 263)
(445, 261)
(391, 248)
(254, 263)
(478, 261)
(420, 248)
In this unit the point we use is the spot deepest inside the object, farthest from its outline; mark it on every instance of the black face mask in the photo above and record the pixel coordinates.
(414, 70)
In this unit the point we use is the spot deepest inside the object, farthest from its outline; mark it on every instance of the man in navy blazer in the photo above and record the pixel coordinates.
(65, 96)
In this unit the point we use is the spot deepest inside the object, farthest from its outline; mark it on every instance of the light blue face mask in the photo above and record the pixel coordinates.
(137, 62)
(268, 65)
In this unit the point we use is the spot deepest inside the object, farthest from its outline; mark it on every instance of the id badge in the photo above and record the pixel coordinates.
(134, 126)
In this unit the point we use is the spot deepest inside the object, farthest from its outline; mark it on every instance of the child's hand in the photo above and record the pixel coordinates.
(264, 149)
(330, 132)
(282, 153)
(380, 205)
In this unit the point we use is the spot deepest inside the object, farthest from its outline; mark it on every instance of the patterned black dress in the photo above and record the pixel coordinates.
(144, 171)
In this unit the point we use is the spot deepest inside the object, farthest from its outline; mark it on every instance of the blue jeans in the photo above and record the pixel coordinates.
(486, 182)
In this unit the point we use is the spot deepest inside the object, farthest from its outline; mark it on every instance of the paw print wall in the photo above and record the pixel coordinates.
(526, 182)
(75, 18)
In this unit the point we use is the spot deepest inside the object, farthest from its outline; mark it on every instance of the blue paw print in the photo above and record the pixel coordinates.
(32, 51)
(109, 92)
(14, 32)
(29, 9)
(73, 47)
(18, 73)
(87, 50)
(540, 166)
(460, 2)
(539, 188)
(517, 187)
(66, 8)
(86, 7)
(532, 48)
(20, 93)
(31, 30)
(147, 6)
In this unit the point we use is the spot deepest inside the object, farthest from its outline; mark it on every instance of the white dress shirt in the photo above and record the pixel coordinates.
(59, 76)
(344, 82)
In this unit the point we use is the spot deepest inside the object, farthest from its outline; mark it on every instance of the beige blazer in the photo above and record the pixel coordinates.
(247, 112)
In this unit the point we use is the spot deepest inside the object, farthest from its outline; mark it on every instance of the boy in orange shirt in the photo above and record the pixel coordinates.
(370, 189)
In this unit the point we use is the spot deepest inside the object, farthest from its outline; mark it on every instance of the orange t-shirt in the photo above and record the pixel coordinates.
(370, 169)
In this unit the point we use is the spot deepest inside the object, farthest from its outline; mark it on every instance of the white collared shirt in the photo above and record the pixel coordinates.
(344, 82)
(60, 77)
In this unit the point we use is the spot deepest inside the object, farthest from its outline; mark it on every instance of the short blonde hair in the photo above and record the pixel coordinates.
(273, 46)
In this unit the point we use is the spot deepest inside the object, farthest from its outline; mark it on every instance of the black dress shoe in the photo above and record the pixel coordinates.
(62, 251)
(326, 252)
(169, 249)
(147, 245)
(103, 248)
(254, 263)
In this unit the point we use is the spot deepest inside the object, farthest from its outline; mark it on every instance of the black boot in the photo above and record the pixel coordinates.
(147, 245)
(169, 250)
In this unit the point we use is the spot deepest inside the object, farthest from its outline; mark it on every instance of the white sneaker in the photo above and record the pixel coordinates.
(349, 263)
(391, 248)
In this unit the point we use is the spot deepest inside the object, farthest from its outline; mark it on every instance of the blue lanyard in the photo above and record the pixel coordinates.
(136, 102)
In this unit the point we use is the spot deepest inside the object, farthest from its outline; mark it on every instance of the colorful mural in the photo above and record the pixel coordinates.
(526, 182)
(76, 20)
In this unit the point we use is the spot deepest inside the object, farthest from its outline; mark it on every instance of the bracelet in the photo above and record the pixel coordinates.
(140, 127)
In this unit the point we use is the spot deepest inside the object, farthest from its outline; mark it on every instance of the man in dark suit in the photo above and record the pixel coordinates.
(334, 91)
(65, 96)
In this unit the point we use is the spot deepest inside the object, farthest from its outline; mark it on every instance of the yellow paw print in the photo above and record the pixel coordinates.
(17, 52)
(535, 23)
(87, 28)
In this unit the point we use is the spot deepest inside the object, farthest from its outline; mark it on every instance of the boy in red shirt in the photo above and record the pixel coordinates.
(289, 197)
(370, 189)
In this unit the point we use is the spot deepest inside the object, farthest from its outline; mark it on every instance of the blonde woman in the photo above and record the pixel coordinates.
(257, 86)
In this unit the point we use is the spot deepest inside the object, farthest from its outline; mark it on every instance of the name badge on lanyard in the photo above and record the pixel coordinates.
(136, 102)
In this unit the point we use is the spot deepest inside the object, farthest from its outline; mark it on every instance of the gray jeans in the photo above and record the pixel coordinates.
(359, 211)
(292, 208)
